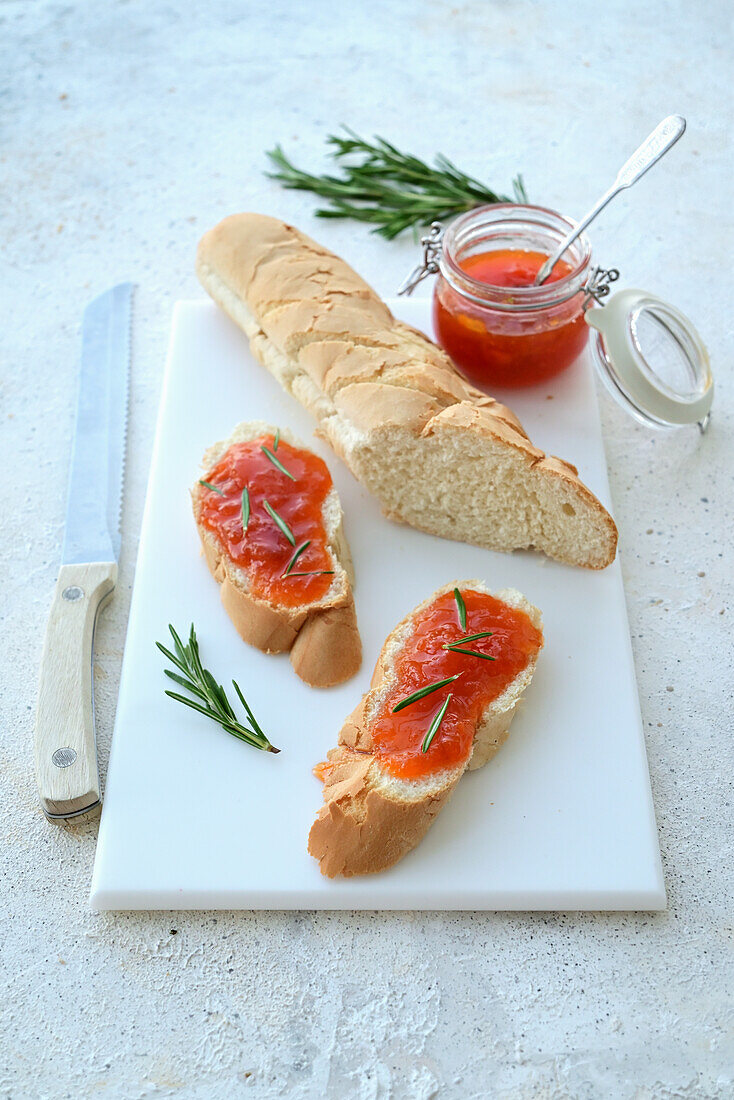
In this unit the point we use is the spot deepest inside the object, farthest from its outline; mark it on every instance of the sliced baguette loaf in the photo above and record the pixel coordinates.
(436, 452)
(322, 636)
(370, 819)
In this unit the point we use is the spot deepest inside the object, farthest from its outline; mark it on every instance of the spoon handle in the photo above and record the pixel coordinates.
(663, 137)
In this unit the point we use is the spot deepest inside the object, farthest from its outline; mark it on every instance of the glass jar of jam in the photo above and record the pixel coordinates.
(503, 332)
(500, 329)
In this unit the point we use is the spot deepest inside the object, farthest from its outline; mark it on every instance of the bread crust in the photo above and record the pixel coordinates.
(322, 638)
(375, 383)
(370, 820)
(359, 830)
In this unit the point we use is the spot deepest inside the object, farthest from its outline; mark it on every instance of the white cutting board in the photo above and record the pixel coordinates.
(562, 818)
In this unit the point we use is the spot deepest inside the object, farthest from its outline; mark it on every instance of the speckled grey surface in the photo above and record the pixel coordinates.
(128, 129)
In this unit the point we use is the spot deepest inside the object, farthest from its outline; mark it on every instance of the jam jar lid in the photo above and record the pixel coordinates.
(652, 360)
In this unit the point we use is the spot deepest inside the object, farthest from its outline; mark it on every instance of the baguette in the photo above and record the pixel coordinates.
(436, 452)
(321, 636)
(371, 818)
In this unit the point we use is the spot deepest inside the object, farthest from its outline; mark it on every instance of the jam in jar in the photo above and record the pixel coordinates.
(500, 329)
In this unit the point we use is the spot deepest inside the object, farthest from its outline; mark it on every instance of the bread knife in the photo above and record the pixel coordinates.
(65, 741)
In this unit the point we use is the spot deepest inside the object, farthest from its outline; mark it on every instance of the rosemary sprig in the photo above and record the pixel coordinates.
(245, 508)
(468, 638)
(276, 439)
(422, 692)
(280, 522)
(276, 462)
(296, 555)
(471, 653)
(213, 700)
(214, 488)
(461, 607)
(456, 647)
(309, 573)
(433, 728)
(383, 186)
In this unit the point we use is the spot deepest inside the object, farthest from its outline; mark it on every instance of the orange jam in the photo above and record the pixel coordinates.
(511, 267)
(398, 738)
(504, 339)
(263, 550)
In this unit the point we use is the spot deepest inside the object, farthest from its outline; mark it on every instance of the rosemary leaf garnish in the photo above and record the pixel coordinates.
(433, 728)
(250, 715)
(296, 555)
(214, 702)
(276, 462)
(214, 489)
(471, 653)
(289, 571)
(422, 692)
(387, 188)
(245, 508)
(276, 440)
(461, 606)
(469, 638)
(281, 523)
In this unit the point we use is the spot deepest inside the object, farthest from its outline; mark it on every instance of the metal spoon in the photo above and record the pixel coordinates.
(663, 137)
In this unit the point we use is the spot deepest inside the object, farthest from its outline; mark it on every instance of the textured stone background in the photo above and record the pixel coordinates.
(129, 128)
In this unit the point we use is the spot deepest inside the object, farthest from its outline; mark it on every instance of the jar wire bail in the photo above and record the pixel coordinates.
(431, 243)
(598, 285)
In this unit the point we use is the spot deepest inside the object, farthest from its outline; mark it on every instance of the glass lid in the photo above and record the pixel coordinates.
(652, 359)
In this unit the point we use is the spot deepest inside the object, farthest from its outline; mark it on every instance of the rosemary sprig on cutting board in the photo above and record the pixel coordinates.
(212, 699)
(390, 189)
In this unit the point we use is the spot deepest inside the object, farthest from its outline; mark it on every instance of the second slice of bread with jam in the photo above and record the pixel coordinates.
(271, 528)
(444, 691)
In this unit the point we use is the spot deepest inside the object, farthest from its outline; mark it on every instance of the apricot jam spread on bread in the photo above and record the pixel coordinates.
(264, 502)
(479, 668)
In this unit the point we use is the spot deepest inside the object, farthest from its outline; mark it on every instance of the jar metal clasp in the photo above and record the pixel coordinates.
(431, 243)
(598, 285)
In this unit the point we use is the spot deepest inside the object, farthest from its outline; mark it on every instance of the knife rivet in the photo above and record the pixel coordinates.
(73, 592)
(63, 758)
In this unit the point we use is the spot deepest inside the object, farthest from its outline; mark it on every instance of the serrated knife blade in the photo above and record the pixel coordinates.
(65, 743)
(92, 531)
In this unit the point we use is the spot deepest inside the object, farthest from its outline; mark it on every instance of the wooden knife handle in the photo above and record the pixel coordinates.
(66, 749)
